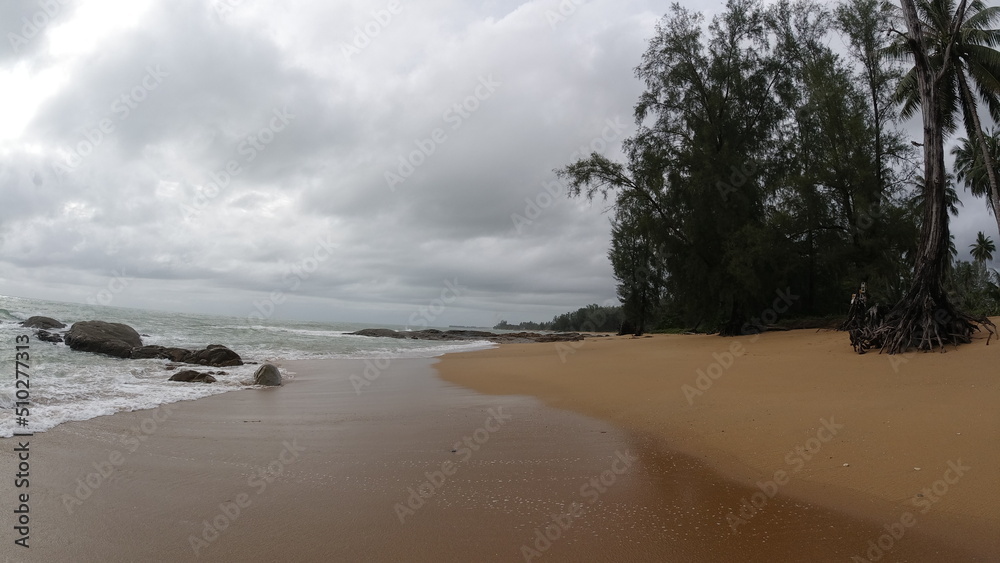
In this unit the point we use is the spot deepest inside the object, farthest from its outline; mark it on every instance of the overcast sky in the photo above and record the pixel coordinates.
(360, 158)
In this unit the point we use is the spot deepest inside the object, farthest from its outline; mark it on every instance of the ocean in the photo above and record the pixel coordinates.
(67, 386)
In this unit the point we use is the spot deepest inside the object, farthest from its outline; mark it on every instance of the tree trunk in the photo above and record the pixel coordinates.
(924, 318)
(734, 327)
(984, 150)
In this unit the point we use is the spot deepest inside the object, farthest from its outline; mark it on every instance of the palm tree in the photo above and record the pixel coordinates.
(969, 166)
(944, 41)
(983, 248)
(959, 42)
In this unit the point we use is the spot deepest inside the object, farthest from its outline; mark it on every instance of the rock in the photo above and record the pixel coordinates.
(215, 355)
(44, 323)
(46, 336)
(379, 333)
(161, 352)
(456, 335)
(191, 376)
(267, 374)
(113, 339)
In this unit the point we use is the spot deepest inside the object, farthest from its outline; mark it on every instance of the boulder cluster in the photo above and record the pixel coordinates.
(465, 335)
(122, 341)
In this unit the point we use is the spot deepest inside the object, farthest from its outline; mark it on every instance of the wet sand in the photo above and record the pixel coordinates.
(913, 434)
(321, 473)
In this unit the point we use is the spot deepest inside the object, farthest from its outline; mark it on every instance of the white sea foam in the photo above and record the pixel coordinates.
(72, 386)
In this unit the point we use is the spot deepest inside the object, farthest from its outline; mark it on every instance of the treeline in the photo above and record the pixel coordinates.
(592, 318)
(764, 165)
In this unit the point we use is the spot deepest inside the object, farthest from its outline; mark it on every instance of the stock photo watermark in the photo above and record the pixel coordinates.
(552, 189)
(422, 317)
(133, 439)
(427, 314)
(231, 510)
(122, 106)
(436, 479)
(562, 12)
(455, 116)
(226, 8)
(48, 11)
(366, 33)
(738, 177)
(924, 500)
(293, 278)
(704, 379)
(249, 148)
(590, 324)
(118, 283)
(591, 492)
(795, 459)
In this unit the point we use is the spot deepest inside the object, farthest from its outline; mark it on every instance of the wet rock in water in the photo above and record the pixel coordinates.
(267, 374)
(160, 352)
(46, 336)
(191, 376)
(380, 333)
(463, 335)
(215, 355)
(44, 323)
(113, 339)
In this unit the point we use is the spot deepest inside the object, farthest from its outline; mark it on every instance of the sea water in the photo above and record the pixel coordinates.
(66, 385)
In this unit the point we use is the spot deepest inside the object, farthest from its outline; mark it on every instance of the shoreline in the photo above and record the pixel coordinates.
(320, 469)
(314, 471)
(765, 412)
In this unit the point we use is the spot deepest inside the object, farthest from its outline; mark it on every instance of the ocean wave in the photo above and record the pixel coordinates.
(70, 386)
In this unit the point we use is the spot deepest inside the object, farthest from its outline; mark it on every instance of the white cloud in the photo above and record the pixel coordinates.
(164, 97)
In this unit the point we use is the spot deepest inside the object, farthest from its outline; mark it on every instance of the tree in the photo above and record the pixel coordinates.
(983, 248)
(925, 318)
(706, 118)
(971, 170)
(959, 43)
(637, 266)
(865, 24)
(762, 161)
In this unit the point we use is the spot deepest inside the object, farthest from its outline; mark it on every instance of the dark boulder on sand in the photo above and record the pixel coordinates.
(267, 374)
(44, 323)
(113, 339)
(191, 376)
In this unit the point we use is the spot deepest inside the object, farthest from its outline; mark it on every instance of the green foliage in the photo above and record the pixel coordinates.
(959, 43)
(974, 288)
(592, 318)
(762, 160)
(970, 168)
(524, 325)
(983, 248)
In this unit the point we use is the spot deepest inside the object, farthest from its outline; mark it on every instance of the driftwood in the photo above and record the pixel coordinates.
(864, 322)
(871, 326)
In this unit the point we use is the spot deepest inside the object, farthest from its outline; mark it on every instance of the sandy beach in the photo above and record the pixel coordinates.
(873, 437)
(415, 467)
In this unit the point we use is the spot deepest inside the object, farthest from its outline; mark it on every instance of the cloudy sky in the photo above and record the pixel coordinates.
(318, 160)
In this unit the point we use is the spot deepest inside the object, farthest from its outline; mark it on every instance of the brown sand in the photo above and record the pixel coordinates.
(898, 414)
(320, 470)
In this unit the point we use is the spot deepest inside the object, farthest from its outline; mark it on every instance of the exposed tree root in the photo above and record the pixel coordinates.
(919, 321)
